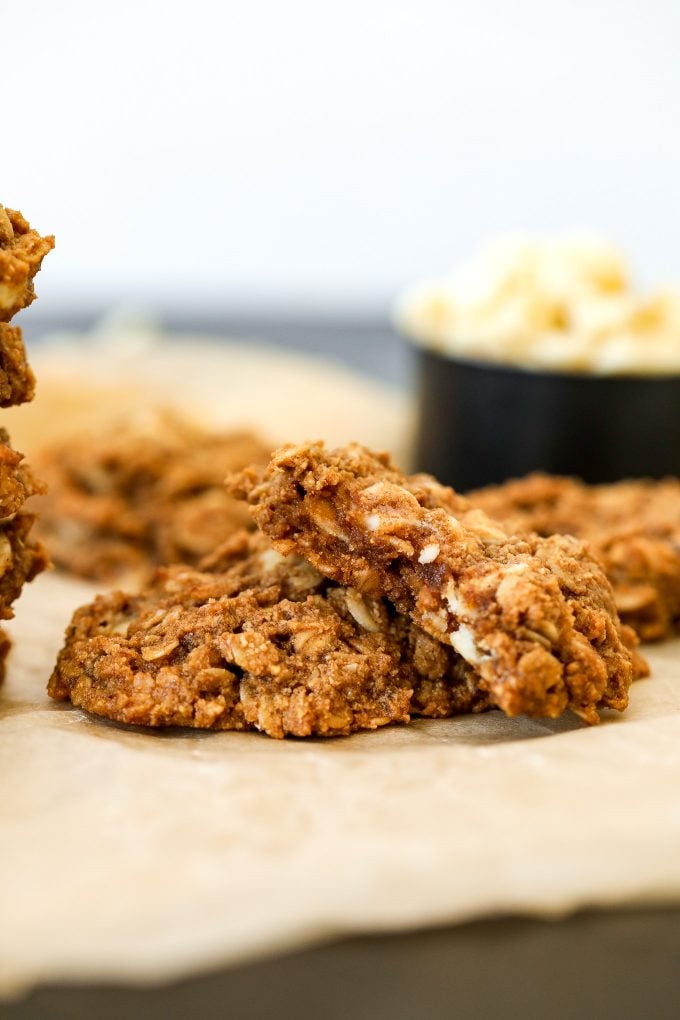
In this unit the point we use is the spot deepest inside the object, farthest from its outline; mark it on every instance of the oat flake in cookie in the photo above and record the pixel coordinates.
(535, 617)
(256, 641)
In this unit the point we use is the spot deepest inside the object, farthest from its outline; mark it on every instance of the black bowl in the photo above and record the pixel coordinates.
(480, 423)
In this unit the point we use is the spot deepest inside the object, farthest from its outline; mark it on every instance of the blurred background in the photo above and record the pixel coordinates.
(284, 169)
(280, 171)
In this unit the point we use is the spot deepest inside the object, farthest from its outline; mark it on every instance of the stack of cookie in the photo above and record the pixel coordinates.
(367, 597)
(21, 558)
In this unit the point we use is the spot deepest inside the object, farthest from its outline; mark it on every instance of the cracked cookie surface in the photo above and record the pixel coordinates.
(535, 617)
(632, 526)
(147, 493)
(256, 641)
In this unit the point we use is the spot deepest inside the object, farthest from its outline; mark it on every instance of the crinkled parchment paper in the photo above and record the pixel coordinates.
(136, 856)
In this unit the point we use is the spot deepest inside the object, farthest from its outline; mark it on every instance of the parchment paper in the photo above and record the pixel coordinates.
(286, 396)
(135, 856)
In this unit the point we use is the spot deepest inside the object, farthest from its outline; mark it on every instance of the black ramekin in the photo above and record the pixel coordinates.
(480, 423)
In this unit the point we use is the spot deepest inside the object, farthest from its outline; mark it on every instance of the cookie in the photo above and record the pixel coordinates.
(535, 617)
(21, 253)
(17, 382)
(17, 482)
(633, 527)
(141, 494)
(257, 641)
(21, 559)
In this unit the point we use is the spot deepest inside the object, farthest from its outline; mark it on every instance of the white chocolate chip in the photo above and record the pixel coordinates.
(372, 522)
(464, 642)
(516, 568)
(429, 553)
(456, 604)
(270, 558)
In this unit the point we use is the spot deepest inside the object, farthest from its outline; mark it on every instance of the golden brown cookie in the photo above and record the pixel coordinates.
(535, 617)
(17, 382)
(633, 527)
(145, 493)
(16, 479)
(21, 559)
(21, 253)
(264, 643)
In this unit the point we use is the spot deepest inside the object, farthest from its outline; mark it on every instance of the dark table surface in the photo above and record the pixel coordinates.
(614, 963)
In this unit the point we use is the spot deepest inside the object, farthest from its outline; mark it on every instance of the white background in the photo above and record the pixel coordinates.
(309, 155)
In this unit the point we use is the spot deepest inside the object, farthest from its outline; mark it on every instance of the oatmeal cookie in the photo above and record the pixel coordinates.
(264, 642)
(16, 479)
(147, 493)
(534, 616)
(21, 559)
(17, 382)
(21, 253)
(632, 526)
